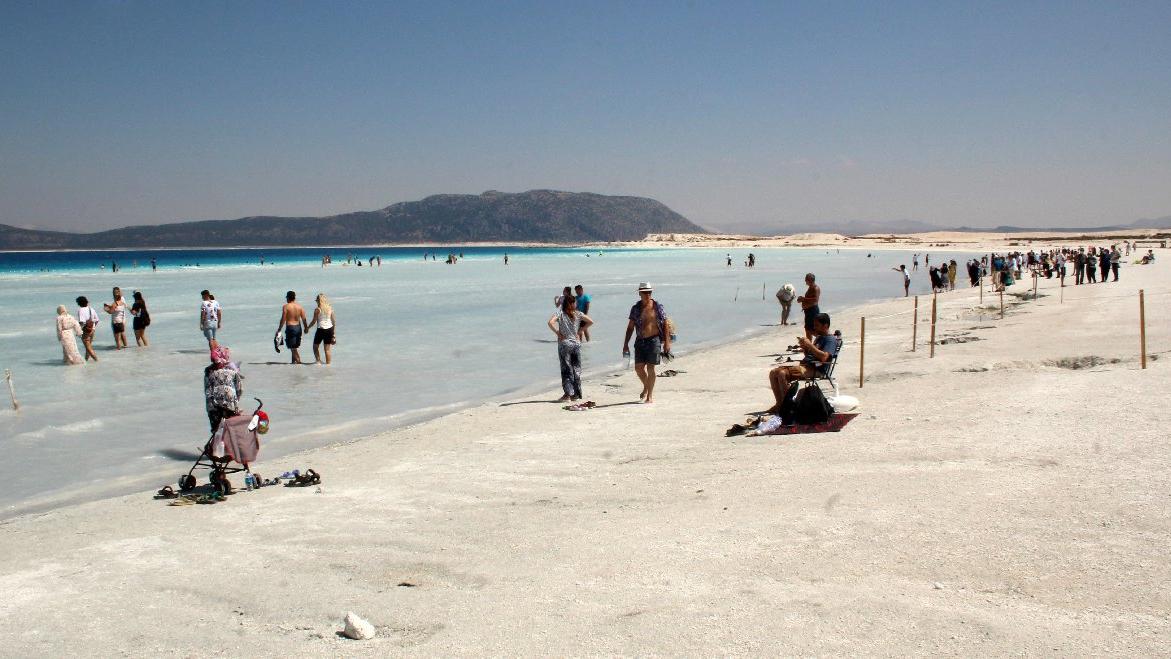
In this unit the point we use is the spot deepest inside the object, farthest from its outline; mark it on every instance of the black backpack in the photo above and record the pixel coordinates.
(810, 406)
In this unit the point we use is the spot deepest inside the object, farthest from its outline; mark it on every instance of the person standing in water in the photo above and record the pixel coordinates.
(785, 297)
(583, 305)
(141, 319)
(117, 311)
(648, 318)
(67, 331)
(323, 318)
(211, 316)
(88, 317)
(294, 323)
(809, 303)
(906, 279)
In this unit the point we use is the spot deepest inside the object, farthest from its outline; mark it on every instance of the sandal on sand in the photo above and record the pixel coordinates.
(167, 492)
(310, 477)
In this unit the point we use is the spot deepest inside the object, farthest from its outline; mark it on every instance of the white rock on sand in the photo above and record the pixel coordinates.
(1027, 472)
(357, 628)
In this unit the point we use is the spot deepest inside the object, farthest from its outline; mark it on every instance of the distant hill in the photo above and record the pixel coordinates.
(542, 216)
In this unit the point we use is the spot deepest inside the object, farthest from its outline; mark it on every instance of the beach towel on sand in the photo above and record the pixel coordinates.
(771, 425)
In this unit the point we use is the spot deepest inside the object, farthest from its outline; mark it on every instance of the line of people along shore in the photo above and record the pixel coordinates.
(1002, 270)
(292, 326)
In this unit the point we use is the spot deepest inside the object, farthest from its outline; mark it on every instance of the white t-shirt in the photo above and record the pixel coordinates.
(209, 313)
(87, 313)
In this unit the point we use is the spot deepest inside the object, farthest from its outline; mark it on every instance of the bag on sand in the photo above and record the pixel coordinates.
(789, 403)
(811, 406)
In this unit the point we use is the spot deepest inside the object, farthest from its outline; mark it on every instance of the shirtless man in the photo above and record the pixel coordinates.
(294, 323)
(648, 317)
(809, 303)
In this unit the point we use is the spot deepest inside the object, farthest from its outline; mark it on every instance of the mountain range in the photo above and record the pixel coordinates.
(539, 216)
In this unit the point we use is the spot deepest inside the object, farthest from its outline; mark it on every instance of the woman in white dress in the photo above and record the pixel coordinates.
(67, 331)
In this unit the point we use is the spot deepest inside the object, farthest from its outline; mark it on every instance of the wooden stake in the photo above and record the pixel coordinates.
(1142, 328)
(933, 300)
(1034, 285)
(12, 390)
(915, 325)
(862, 353)
(981, 288)
(1002, 305)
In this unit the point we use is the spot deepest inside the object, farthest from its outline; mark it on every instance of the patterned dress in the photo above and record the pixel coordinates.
(67, 331)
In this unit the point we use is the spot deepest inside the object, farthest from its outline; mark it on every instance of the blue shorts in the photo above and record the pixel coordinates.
(292, 336)
(209, 332)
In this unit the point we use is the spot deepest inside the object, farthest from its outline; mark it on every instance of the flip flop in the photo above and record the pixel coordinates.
(167, 492)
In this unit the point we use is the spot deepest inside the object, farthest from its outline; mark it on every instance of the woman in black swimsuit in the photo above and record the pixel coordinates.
(141, 319)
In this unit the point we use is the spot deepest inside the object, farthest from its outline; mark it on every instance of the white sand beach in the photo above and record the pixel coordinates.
(1008, 496)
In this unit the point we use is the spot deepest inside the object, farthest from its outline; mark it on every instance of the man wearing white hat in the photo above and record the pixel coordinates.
(649, 319)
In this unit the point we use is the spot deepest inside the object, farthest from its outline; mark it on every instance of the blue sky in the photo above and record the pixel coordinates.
(734, 114)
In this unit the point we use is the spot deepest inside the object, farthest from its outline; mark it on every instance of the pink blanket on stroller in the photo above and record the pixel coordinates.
(234, 440)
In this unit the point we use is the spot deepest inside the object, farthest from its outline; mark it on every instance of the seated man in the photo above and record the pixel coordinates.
(818, 353)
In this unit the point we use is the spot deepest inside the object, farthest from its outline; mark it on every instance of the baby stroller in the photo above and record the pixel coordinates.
(237, 439)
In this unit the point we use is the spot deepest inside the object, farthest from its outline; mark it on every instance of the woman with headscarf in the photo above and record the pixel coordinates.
(222, 386)
(67, 331)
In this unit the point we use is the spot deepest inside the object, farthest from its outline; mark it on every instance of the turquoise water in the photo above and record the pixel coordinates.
(415, 339)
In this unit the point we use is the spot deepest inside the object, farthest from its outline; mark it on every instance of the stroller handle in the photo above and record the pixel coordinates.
(259, 404)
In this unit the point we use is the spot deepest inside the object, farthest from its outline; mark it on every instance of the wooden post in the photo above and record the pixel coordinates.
(933, 300)
(915, 325)
(16, 405)
(1034, 285)
(862, 353)
(1002, 305)
(1142, 328)
(981, 287)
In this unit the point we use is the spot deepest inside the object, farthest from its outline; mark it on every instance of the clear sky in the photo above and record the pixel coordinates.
(746, 114)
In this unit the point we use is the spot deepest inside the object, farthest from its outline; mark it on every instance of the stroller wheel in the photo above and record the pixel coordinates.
(222, 485)
(186, 483)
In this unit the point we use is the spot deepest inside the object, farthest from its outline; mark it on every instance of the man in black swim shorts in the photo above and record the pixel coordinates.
(293, 322)
(809, 303)
(650, 320)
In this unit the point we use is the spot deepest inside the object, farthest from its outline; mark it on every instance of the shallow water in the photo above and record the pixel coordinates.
(415, 339)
